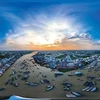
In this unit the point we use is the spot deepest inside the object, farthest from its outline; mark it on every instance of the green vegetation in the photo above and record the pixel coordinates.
(72, 57)
(84, 63)
(2, 56)
(64, 70)
(85, 56)
(60, 56)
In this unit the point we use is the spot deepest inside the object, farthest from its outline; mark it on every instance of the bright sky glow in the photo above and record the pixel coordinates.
(48, 27)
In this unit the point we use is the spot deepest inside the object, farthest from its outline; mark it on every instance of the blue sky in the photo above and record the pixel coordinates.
(73, 21)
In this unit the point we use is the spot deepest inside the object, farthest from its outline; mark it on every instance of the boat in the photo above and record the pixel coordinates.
(89, 89)
(58, 73)
(33, 84)
(66, 89)
(27, 83)
(1, 89)
(50, 88)
(76, 94)
(16, 84)
(86, 83)
(67, 84)
(70, 95)
(94, 89)
(70, 74)
(85, 88)
(46, 81)
(42, 81)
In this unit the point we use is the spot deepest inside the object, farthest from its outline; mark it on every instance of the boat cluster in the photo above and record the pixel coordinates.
(66, 86)
(69, 94)
(49, 87)
(90, 86)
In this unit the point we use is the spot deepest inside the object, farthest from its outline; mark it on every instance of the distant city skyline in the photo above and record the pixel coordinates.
(50, 25)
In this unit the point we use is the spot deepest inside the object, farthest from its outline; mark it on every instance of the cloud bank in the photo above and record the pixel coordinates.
(53, 30)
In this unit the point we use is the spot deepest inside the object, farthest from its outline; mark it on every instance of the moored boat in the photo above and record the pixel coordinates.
(76, 94)
(70, 95)
(49, 88)
(94, 89)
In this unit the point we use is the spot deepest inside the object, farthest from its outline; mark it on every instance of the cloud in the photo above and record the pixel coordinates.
(59, 30)
(97, 43)
(81, 36)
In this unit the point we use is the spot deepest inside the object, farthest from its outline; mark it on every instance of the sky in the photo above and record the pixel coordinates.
(52, 25)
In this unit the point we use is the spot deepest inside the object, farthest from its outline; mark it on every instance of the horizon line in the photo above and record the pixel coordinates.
(51, 50)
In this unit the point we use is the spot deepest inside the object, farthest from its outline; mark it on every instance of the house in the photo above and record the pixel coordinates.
(3, 69)
(0, 65)
(71, 65)
(7, 65)
(52, 64)
(1, 72)
(5, 60)
(68, 59)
